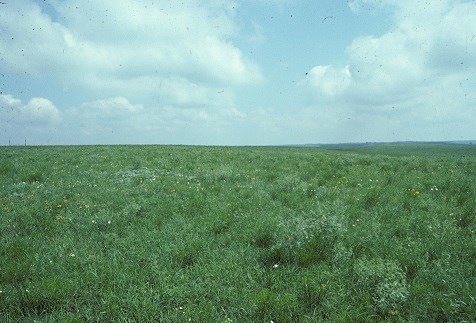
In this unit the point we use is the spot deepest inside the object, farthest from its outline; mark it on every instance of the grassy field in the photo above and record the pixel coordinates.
(222, 234)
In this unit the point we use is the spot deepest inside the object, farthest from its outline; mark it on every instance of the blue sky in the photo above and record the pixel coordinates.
(217, 72)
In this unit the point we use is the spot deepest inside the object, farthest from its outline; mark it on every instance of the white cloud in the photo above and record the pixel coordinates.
(112, 106)
(38, 111)
(329, 81)
(414, 80)
(130, 48)
(106, 120)
(113, 120)
(95, 118)
(41, 110)
(9, 101)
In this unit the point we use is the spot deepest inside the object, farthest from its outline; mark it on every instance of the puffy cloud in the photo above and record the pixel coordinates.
(97, 117)
(329, 81)
(113, 120)
(414, 78)
(131, 48)
(112, 106)
(38, 111)
(9, 101)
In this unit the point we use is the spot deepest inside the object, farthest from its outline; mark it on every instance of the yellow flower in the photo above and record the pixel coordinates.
(59, 218)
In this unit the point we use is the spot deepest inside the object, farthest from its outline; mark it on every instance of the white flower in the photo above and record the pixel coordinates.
(275, 266)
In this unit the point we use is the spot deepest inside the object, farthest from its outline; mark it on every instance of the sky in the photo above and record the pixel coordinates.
(250, 72)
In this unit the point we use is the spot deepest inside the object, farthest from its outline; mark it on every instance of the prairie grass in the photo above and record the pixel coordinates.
(233, 234)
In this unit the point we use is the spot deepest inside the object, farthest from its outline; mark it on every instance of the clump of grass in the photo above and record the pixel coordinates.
(35, 177)
(314, 288)
(6, 168)
(263, 237)
(18, 259)
(274, 307)
(189, 254)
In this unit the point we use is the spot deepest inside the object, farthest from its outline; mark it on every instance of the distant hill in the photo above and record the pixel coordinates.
(353, 144)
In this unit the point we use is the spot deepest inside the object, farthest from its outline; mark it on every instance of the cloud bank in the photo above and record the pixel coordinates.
(178, 52)
(177, 59)
(416, 77)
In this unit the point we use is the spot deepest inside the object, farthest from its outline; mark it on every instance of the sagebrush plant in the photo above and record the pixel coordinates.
(231, 234)
(385, 281)
(304, 240)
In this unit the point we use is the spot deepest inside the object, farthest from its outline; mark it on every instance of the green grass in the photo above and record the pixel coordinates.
(220, 234)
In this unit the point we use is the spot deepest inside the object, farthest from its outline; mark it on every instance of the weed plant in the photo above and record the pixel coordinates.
(228, 234)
